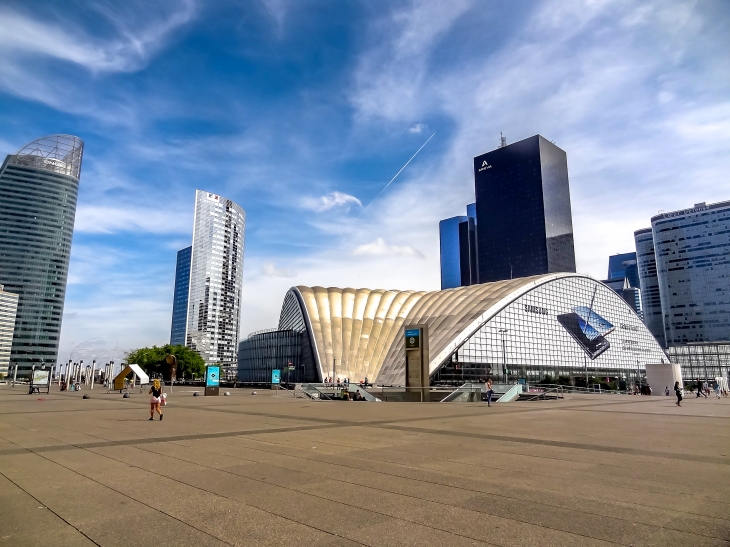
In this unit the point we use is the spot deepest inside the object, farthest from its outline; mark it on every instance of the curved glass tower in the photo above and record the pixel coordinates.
(38, 191)
(216, 278)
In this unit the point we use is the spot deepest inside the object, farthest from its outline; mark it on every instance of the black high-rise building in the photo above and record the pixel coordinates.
(525, 225)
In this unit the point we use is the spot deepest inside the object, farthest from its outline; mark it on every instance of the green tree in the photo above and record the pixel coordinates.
(152, 360)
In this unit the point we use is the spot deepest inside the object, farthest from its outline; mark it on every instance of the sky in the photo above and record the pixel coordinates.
(303, 111)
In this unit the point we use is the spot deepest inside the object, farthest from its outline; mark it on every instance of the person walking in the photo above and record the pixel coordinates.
(156, 391)
(678, 393)
(700, 389)
(490, 391)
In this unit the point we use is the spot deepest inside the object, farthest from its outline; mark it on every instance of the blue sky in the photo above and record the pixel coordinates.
(301, 112)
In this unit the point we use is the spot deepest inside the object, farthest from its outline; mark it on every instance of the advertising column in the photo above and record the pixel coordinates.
(212, 379)
(417, 373)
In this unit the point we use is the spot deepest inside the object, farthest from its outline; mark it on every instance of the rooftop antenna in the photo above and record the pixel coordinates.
(502, 140)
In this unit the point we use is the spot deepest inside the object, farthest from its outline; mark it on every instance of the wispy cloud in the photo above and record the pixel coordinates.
(270, 270)
(418, 128)
(330, 201)
(93, 219)
(380, 248)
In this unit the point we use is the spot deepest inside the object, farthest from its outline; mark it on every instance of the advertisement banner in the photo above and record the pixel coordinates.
(276, 376)
(41, 377)
(212, 376)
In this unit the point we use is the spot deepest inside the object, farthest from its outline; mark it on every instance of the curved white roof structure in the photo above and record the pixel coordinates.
(362, 329)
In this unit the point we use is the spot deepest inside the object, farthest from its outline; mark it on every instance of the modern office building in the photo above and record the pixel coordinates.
(457, 241)
(264, 351)
(651, 304)
(38, 191)
(623, 277)
(8, 311)
(624, 265)
(180, 297)
(216, 277)
(692, 253)
(560, 324)
(525, 224)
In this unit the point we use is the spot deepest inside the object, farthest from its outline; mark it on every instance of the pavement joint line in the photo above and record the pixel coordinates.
(420, 468)
(306, 493)
(129, 497)
(561, 444)
(151, 440)
(51, 510)
(215, 493)
(674, 512)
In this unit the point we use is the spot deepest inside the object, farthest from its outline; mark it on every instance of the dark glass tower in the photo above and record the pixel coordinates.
(457, 239)
(38, 191)
(523, 205)
(180, 297)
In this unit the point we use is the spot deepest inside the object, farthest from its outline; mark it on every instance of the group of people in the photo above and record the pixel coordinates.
(328, 381)
(703, 389)
(357, 396)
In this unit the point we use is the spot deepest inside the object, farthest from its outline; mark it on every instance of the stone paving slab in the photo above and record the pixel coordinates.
(275, 470)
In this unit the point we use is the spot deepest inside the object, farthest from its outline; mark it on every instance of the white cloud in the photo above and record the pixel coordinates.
(270, 270)
(418, 128)
(99, 219)
(329, 201)
(380, 247)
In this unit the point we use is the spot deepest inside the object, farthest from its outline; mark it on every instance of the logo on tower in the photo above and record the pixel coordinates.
(484, 166)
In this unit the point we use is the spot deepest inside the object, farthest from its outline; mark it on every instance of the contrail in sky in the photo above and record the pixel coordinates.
(399, 172)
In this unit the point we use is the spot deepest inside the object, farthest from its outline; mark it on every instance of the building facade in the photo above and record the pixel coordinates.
(262, 352)
(525, 224)
(692, 249)
(216, 277)
(559, 324)
(180, 297)
(8, 311)
(38, 192)
(623, 277)
(458, 250)
(705, 360)
(651, 304)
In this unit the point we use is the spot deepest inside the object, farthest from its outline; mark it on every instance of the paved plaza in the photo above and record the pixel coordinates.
(274, 470)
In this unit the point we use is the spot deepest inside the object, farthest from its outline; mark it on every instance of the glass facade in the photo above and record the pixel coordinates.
(705, 361)
(38, 192)
(216, 277)
(525, 224)
(180, 297)
(569, 327)
(692, 249)
(8, 311)
(623, 265)
(651, 304)
(458, 250)
(262, 352)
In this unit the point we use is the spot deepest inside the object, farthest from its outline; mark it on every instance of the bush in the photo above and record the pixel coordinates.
(152, 360)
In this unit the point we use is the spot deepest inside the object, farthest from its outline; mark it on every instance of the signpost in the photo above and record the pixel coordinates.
(212, 379)
(41, 379)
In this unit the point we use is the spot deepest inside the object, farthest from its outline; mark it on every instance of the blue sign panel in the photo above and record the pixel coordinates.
(413, 338)
(212, 376)
(276, 376)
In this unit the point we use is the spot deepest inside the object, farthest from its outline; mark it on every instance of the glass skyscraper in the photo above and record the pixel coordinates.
(623, 277)
(180, 297)
(216, 277)
(8, 311)
(692, 253)
(457, 240)
(38, 191)
(525, 224)
(651, 303)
